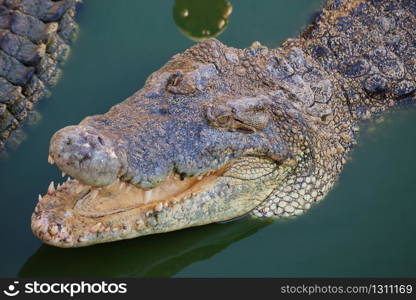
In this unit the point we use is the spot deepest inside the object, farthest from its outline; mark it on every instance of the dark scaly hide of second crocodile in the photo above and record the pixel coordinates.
(220, 132)
(34, 38)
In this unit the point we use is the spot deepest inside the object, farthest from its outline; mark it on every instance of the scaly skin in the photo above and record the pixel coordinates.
(34, 39)
(220, 132)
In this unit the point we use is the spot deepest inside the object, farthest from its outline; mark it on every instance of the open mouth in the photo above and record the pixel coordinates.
(73, 213)
(121, 196)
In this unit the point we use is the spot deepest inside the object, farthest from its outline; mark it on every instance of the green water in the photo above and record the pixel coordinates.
(365, 227)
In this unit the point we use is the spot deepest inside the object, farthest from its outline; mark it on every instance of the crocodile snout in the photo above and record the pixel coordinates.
(85, 154)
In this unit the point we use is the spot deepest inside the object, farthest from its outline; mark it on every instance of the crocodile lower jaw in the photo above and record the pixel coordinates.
(105, 212)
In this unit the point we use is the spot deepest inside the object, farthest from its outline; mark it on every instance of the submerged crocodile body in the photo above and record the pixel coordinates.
(219, 132)
(34, 39)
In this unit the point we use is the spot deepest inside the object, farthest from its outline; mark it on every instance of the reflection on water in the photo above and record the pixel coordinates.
(18, 135)
(201, 19)
(150, 256)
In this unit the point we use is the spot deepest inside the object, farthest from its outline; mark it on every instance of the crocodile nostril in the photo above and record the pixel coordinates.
(101, 141)
(68, 141)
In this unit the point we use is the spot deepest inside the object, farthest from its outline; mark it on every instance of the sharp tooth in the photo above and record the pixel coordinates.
(39, 198)
(139, 223)
(159, 206)
(63, 174)
(82, 239)
(122, 185)
(53, 230)
(93, 194)
(50, 160)
(43, 228)
(58, 187)
(147, 196)
(68, 239)
(200, 177)
(46, 236)
(96, 227)
(51, 188)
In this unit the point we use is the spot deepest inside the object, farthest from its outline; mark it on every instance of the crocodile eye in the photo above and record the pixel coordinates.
(219, 116)
(223, 120)
(251, 121)
(245, 114)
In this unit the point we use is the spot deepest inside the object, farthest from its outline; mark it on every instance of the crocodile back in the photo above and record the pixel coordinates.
(369, 46)
(34, 39)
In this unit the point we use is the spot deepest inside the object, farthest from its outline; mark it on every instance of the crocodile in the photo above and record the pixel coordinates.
(34, 40)
(220, 133)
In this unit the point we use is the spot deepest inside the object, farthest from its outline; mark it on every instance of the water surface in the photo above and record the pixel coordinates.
(365, 227)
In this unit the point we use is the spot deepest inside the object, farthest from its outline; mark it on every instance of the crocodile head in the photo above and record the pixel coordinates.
(207, 139)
